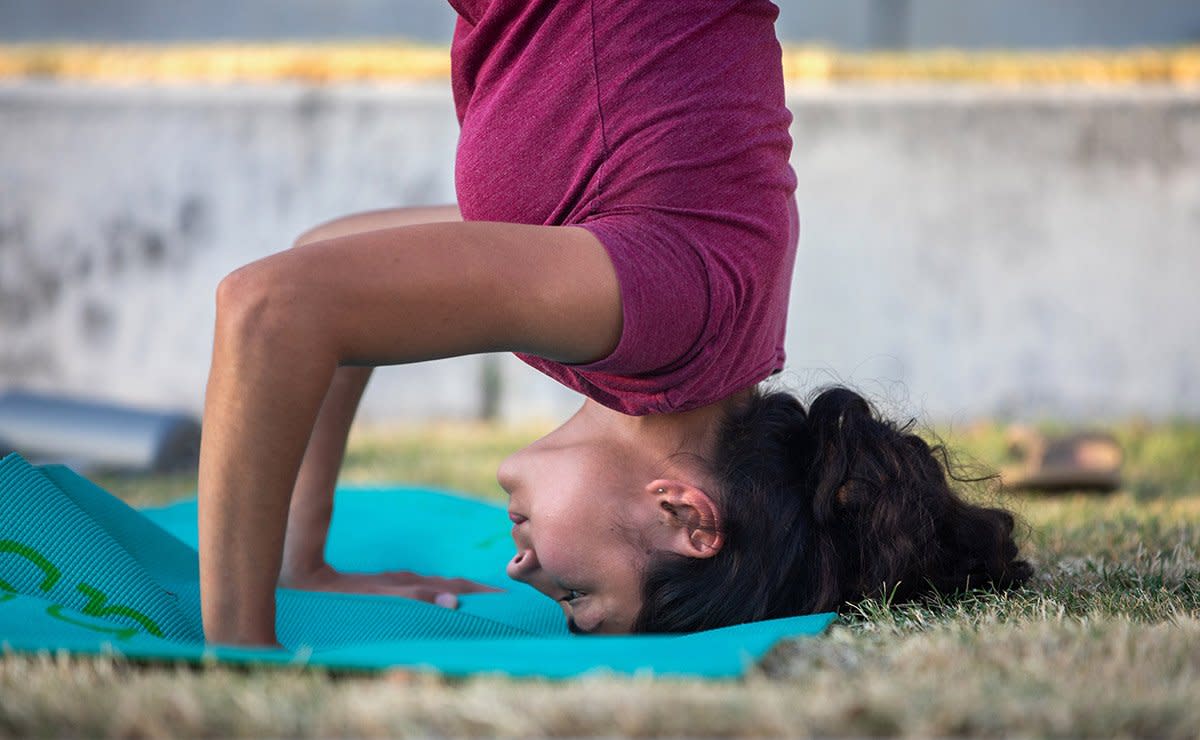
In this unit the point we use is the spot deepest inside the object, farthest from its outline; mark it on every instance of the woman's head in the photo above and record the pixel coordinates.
(822, 507)
(594, 500)
(751, 509)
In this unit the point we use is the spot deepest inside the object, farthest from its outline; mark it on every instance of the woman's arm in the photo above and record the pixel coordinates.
(286, 323)
(312, 498)
(311, 509)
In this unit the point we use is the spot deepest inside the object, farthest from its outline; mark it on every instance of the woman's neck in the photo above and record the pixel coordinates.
(663, 436)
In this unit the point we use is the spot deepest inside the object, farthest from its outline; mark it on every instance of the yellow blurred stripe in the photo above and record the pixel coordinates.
(402, 60)
(1174, 66)
(219, 63)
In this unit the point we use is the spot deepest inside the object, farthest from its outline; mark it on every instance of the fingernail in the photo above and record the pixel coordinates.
(446, 600)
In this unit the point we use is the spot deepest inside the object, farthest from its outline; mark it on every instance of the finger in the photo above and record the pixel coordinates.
(403, 578)
(461, 585)
(468, 587)
(430, 594)
(453, 585)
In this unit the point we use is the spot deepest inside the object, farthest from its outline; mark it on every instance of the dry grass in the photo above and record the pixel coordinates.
(1106, 642)
(322, 63)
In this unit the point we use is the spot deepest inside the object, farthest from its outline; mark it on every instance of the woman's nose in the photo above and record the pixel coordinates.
(508, 472)
(523, 565)
(520, 468)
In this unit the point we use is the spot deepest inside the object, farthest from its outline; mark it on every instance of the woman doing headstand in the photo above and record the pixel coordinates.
(626, 224)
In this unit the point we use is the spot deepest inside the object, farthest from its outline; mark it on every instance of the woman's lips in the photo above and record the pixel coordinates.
(517, 534)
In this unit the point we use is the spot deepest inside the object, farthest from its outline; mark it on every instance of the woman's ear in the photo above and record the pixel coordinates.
(688, 522)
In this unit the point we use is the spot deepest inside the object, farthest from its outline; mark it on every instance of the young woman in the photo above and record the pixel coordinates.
(626, 223)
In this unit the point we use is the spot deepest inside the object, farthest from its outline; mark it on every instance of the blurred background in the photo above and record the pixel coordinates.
(848, 24)
(1000, 202)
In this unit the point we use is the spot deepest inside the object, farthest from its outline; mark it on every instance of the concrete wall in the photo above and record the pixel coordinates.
(964, 252)
(1015, 254)
(852, 24)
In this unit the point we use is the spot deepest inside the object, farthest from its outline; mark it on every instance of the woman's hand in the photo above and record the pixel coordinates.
(440, 591)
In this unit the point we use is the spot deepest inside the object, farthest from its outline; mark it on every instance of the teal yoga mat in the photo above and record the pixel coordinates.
(83, 572)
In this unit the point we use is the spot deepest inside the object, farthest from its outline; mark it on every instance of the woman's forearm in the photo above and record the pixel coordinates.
(262, 399)
(312, 497)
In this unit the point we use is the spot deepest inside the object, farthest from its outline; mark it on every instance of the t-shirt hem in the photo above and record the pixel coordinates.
(662, 402)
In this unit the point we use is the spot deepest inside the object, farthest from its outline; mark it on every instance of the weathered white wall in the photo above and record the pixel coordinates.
(964, 252)
(1015, 254)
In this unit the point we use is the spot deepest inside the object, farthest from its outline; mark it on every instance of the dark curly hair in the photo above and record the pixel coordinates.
(823, 508)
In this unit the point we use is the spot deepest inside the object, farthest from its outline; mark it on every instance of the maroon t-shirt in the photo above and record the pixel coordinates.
(661, 127)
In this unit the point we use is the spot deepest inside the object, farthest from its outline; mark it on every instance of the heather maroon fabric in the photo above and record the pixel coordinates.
(659, 126)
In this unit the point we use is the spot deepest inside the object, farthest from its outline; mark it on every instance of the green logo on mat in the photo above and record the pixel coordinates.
(121, 633)
(97, 601)
(33, 556)
(95, 608)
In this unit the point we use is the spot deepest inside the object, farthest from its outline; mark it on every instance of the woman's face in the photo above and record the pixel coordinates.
(578, 506)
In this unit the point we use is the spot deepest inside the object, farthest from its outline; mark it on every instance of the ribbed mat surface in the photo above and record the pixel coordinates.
(83, 572)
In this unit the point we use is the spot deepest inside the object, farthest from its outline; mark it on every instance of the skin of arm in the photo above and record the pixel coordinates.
(304, 565)
(312, 498)
(287, 323)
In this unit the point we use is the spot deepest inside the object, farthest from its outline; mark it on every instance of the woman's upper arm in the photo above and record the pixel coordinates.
(384, 218)
(431, 290)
